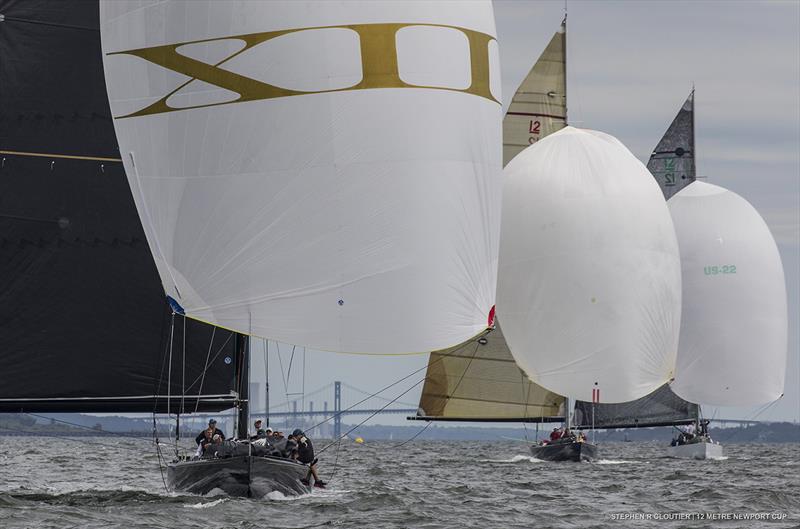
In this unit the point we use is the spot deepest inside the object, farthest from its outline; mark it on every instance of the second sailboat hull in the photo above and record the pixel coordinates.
(573, 451)
(701, 450)
(243, 476)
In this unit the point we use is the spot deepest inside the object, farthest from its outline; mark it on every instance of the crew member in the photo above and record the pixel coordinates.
(305, 454)
(212, 427)
(259, 432)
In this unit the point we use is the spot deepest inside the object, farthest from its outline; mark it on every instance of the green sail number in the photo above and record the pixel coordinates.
(716, 270)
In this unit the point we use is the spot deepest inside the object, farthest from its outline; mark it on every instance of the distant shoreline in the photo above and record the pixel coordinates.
(13, 425)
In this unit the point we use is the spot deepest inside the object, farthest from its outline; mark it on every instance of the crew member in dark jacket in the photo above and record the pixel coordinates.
(212, 427)
(305, 454)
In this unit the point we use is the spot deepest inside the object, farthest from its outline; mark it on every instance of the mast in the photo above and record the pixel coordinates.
(564, 60)
(266, 382)
(243, 378)
(693, 143)
(568, 412)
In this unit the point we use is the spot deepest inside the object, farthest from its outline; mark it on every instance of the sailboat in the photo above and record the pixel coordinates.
(589, 285)
(723, 320)
(673, 166)
(479, 381)
(734, 303)
(312, 198)
(482, 381)
(85, 326)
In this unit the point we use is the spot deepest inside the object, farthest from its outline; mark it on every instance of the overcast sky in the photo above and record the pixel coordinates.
(630, 67)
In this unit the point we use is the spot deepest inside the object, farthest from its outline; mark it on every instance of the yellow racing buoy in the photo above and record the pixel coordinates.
(359, 441)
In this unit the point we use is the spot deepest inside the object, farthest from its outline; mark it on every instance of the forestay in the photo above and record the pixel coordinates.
(318, 173)
(733, 337)
(589, 288)
(539, 106)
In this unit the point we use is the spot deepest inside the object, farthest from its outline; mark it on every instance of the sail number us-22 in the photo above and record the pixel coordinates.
(716, 270)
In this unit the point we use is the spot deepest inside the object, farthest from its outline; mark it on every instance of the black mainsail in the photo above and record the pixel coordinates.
(84, 323)
(660, 408)
(673, 160)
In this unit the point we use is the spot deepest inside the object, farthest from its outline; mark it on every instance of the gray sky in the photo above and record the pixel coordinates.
(630, 66)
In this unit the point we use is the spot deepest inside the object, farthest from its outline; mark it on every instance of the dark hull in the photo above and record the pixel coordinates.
(247, 476)
(565, 452)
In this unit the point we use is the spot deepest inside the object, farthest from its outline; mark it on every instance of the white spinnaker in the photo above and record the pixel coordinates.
(733, 341)
(363, 220)
(589, 285)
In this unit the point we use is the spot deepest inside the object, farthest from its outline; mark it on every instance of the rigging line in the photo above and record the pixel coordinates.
(303, 386)
(53, 24)
(430, 363)
(83, 426)
(348, 386)
(527, 398)
(61, 156)
(266, 381)
(283, 375)
(161, 463)
(205, 368)
(183, 368)
(415, 435)
(291, 359)
(169, 370)
(335, 461)
(216, 355)
(450, 396)
(451, 393)
(158, 453)
(73, 438)
(351, 430)
(161, 373)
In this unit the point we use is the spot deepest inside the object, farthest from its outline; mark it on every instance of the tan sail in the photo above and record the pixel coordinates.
(479, 381)
(539, 107)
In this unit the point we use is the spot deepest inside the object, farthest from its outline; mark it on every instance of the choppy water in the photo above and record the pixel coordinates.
(113, 482)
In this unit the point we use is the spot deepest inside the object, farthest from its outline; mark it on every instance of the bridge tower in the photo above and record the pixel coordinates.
(337, 409)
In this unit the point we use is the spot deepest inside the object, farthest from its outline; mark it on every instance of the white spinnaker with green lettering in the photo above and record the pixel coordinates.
(589, 284)
(733, 341)
(359, 220)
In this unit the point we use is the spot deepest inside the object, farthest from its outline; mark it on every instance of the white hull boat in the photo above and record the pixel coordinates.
(700, 450)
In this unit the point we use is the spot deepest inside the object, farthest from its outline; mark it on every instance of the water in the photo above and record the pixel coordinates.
(115, 482)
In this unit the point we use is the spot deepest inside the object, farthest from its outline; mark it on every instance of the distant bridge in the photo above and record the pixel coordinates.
(338, 412)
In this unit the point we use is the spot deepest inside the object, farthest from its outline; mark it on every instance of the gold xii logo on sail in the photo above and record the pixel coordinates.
(379, 66)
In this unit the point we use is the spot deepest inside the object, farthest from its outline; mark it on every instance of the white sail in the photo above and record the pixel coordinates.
(589, 286)
(733, 340)
(319, 173)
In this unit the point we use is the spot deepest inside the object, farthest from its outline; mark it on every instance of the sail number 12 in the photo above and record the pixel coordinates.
(534, 129)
